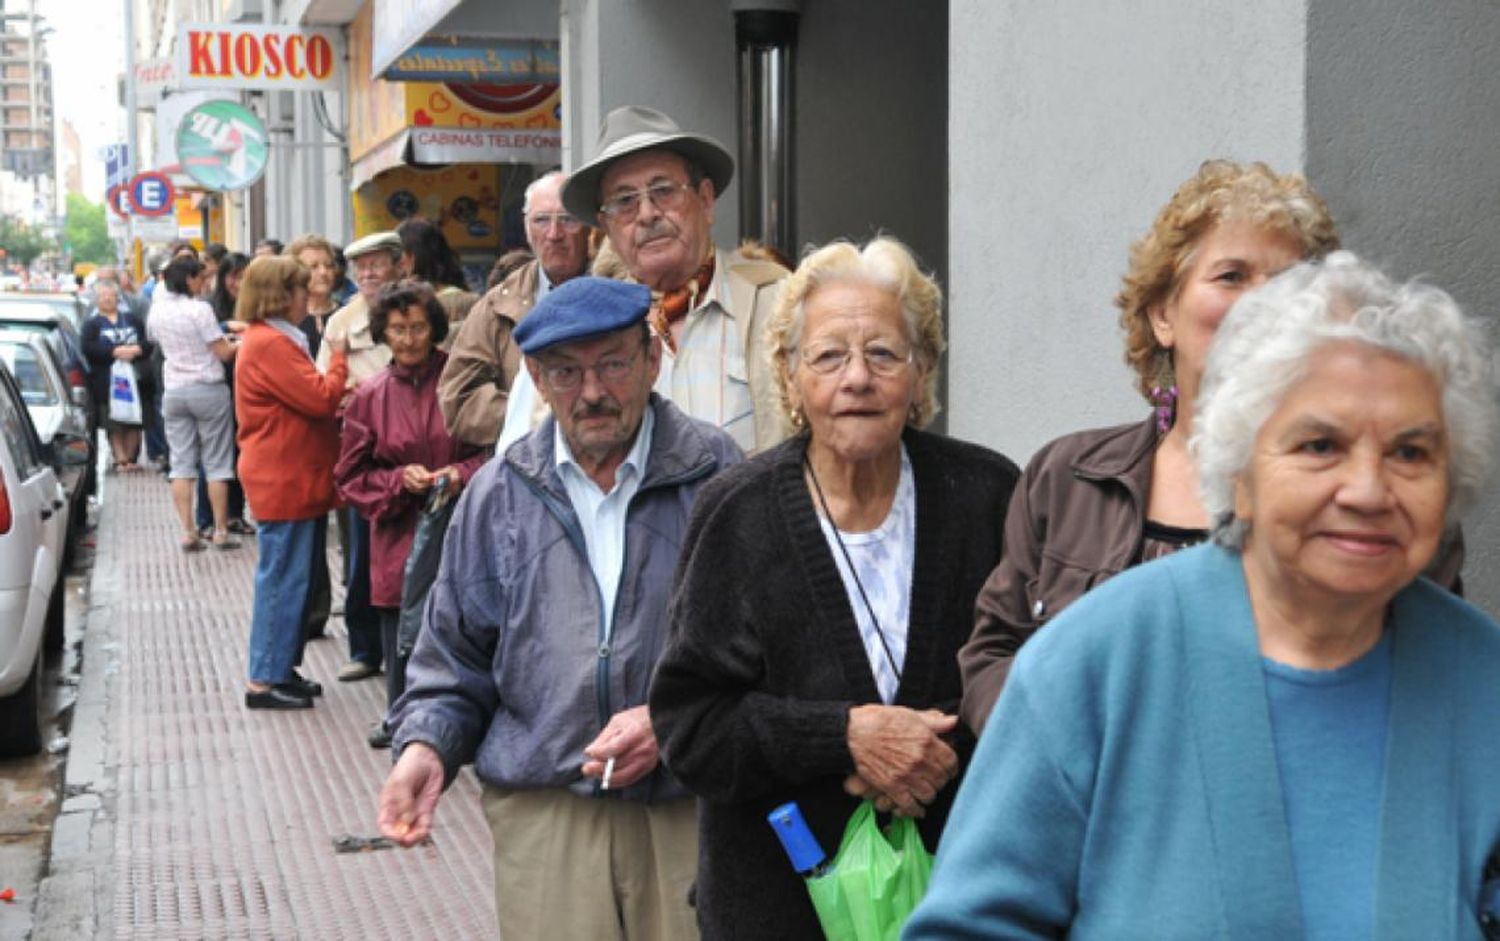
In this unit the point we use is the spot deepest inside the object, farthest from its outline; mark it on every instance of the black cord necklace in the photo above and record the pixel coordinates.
(833, 524)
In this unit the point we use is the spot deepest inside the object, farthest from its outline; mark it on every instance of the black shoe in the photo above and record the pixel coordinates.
(380, 736)
(302, 686)
(277, 697)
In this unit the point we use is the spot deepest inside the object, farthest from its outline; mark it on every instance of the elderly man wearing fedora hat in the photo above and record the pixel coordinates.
(652, 187)
(543, 629)
(375, 261)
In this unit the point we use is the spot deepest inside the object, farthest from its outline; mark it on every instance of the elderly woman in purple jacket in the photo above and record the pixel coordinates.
(396, 451)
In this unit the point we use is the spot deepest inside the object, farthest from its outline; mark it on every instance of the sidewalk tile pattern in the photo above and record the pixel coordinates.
(225, 818)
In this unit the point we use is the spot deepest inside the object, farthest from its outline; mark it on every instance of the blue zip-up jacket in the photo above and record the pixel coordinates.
(510, 670)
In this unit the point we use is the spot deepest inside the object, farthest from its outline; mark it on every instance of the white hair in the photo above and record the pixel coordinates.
(1263, 346)
(532, 186)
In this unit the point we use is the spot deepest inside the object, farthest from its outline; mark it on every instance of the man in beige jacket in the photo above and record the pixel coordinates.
(483, 361)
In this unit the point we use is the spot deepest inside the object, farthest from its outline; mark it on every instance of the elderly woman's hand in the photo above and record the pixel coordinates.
(899, 755)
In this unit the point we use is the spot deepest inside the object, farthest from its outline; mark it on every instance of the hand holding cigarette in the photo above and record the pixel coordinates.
(624, 753)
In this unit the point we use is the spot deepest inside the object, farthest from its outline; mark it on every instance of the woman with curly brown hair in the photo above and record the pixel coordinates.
(1096, 502)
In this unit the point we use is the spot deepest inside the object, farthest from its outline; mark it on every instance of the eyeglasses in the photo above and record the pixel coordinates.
(878, 358)
(566, 378)
(666, 196)
(409, 330)
(542, 221)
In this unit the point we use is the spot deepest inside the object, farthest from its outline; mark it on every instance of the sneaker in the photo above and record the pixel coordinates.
(357, 670)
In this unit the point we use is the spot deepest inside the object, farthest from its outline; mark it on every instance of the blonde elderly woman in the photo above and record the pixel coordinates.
(1094, 503)
(824, 590)
(1287, 733)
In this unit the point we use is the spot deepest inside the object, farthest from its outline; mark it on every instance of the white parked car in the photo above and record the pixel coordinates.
(61, 419)
(33, 522)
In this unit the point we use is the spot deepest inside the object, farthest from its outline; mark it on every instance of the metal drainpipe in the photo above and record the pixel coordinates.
(765, 36)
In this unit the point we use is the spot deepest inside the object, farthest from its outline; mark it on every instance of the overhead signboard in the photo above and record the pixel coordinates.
(488, 61)
(400, 24)
(480, 123)
(277, 58)
(455, 145)
(222, 145)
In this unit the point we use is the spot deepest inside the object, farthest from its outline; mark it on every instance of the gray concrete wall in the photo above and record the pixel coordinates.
(1070, 125)
(673, 56)
(871, 144)
(1403, 131)
(872, 119)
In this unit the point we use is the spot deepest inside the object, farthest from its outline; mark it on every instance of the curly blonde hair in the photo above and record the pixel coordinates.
(1221, 191)
(884, 263)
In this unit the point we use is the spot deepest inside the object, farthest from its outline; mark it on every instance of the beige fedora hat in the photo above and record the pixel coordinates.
(630, 130)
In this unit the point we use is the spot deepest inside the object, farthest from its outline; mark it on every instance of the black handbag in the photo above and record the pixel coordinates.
(422, 566)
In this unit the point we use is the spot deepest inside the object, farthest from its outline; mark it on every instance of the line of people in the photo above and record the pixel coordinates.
(644, 644)
(644, 640)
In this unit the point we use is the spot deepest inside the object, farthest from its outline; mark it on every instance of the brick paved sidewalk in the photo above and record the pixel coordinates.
(223, 819)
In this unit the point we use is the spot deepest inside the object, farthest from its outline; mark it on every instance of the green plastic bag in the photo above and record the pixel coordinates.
(875, 881)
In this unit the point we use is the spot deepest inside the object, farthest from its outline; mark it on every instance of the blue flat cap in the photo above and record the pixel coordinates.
(580, 308)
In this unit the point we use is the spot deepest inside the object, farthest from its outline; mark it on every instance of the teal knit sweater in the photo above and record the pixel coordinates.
(1126, 785)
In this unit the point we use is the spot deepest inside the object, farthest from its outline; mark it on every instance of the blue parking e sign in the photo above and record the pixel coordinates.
(151, 194)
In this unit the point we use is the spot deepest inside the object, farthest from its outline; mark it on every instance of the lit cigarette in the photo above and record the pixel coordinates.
(609, 770)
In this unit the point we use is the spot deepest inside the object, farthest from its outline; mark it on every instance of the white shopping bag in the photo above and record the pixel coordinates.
(124, 395)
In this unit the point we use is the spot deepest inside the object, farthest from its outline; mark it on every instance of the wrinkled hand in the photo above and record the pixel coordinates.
(631, 742)
(411, 794)
(899, 760)
(416, 479)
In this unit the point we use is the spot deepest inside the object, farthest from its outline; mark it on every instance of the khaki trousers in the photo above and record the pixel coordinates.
(592, 869)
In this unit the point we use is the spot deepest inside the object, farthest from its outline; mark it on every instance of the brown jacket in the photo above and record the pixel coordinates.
(483, 361)
(1078, 517)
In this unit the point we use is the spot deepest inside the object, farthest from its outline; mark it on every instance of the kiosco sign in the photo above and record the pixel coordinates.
(210, 55)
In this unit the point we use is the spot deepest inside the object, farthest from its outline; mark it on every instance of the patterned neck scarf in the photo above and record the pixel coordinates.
(668, 307)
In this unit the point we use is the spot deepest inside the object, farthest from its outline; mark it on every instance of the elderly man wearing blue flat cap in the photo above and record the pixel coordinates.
(544, 627)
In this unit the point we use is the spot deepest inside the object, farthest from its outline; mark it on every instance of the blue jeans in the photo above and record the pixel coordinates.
(281, 581)
(156, 435)
(360, 617)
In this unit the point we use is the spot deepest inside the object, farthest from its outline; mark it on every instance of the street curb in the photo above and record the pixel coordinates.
(79, 882)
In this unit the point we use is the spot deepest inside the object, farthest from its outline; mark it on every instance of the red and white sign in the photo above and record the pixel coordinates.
(119, 200)
(151, 193)
(213, 55)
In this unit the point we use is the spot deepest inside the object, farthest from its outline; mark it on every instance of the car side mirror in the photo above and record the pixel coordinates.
(71, 450)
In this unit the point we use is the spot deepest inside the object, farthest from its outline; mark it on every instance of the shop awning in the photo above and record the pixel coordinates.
(392, 153)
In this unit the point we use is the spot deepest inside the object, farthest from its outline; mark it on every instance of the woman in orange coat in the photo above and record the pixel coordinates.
(288, 446)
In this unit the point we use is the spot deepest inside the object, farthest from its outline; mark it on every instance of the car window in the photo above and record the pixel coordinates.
(19, 435)
(31, 374)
